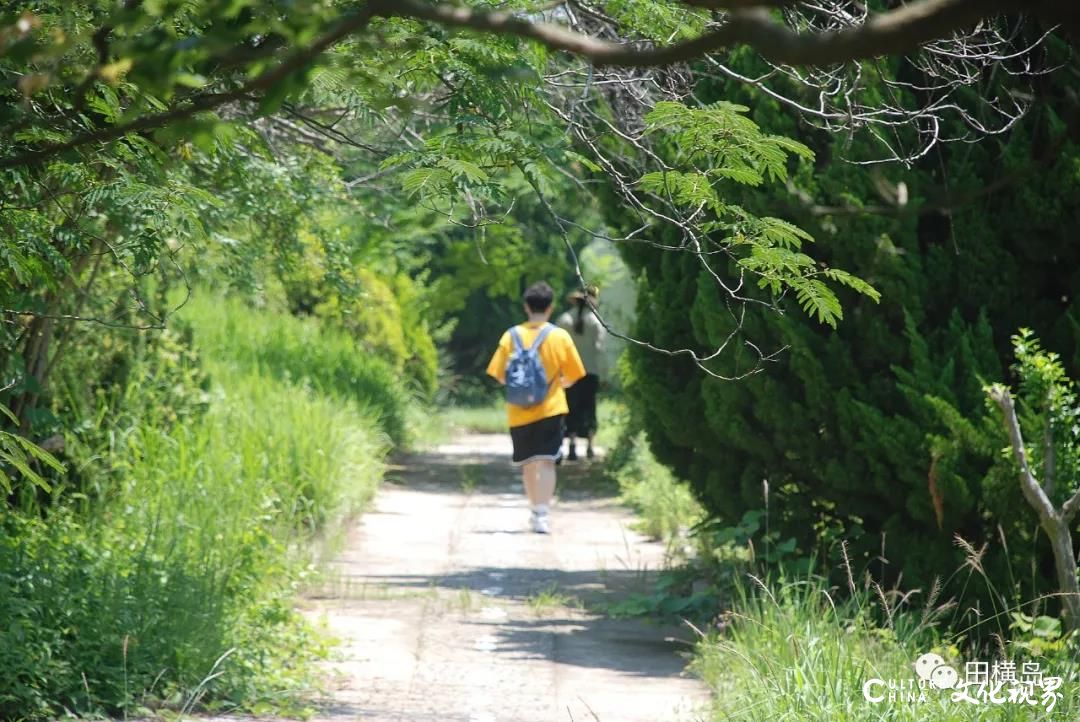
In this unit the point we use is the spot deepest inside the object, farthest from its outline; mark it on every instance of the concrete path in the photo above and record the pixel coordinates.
(449, 610)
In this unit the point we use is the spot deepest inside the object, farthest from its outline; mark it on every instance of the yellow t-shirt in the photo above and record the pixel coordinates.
(562, 364)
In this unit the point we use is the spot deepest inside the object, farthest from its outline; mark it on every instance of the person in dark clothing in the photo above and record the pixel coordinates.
(588, 334)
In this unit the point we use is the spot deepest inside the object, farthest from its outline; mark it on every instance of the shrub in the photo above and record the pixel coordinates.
(665, 505)
(175, 586)
(842, 427)
(385, 313)
(300, 351)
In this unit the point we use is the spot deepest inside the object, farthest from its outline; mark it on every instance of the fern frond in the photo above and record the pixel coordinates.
(853, 282)
(427, 182)
(817, 299)
(463, 168)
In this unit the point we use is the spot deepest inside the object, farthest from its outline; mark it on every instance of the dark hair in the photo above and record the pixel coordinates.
(539, 297)
(582, 300)
(579, 322)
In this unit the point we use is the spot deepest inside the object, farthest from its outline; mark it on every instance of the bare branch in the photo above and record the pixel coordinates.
(1069, 509)
(824, 35)
(1053, 523)
(890, 33)
(159, 326)
(737, 4)
(1033, 492)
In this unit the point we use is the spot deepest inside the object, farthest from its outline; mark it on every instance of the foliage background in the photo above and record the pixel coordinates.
(242, 306)
(877, 431)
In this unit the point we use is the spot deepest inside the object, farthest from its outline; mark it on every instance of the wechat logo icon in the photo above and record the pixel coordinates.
(932, 669)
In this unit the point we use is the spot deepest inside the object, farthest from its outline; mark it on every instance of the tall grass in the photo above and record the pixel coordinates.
(299, 351)
(176, 587)
(799, 650)
(665, 505)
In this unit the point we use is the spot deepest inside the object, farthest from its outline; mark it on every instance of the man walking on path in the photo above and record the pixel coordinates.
(537, 430)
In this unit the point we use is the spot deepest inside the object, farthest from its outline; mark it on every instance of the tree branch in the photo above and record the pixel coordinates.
(1033, 492)
(747, 22)
(737, 4)
(1049, 462)
(1069, 509)
(207, 101)
(894, 32)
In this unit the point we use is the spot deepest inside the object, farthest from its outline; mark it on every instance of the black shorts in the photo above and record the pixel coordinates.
(539, 440)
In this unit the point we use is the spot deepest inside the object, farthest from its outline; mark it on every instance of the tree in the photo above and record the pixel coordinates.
(399, 107)
(1049, 400)
(875, 431)
(227, 57)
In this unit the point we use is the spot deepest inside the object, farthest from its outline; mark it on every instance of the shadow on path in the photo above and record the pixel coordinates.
(449, 609)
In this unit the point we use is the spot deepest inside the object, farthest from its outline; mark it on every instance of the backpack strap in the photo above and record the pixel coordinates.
(519, 345)
(544, 331)
(515, 339)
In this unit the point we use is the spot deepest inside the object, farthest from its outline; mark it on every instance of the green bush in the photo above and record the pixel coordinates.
(844, 426)
(175, 586)
(385, 313)
(666, 506)
(300, 351)
(386, 319)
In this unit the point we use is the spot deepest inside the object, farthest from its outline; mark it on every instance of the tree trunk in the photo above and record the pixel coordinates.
(1065, 565)
(1055, 522)
(38, 362)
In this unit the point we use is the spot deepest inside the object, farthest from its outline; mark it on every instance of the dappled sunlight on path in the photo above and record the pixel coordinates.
(449, 610)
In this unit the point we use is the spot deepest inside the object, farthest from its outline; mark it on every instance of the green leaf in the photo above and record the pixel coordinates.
(397, 159)
(9, 414)
(745, 176)
(19, 462)
(39, 453)
(817, 299)
(465, 168)
(853, 282)
(792, 146)
(783, 233)
(427, 182)
(690, 189)
(190, 80)
(1046, 627)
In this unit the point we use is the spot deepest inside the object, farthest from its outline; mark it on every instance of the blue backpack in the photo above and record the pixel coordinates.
(526, 380)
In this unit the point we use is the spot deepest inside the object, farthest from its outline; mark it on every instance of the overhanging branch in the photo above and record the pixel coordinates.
(208, 101)
(746, 23)
(889, 33)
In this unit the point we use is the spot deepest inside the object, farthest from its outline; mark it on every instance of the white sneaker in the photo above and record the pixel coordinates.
(540, 523)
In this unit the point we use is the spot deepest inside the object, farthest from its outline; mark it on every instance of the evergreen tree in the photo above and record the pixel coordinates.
(876, 429)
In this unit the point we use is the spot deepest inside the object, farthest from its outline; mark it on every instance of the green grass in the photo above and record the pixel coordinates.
(470, 476)
(175, 587)
(475, 419)
(665, 506)
(549, 600)
(300, 352)
(611, 418)
(798, 650)
(492, 420)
